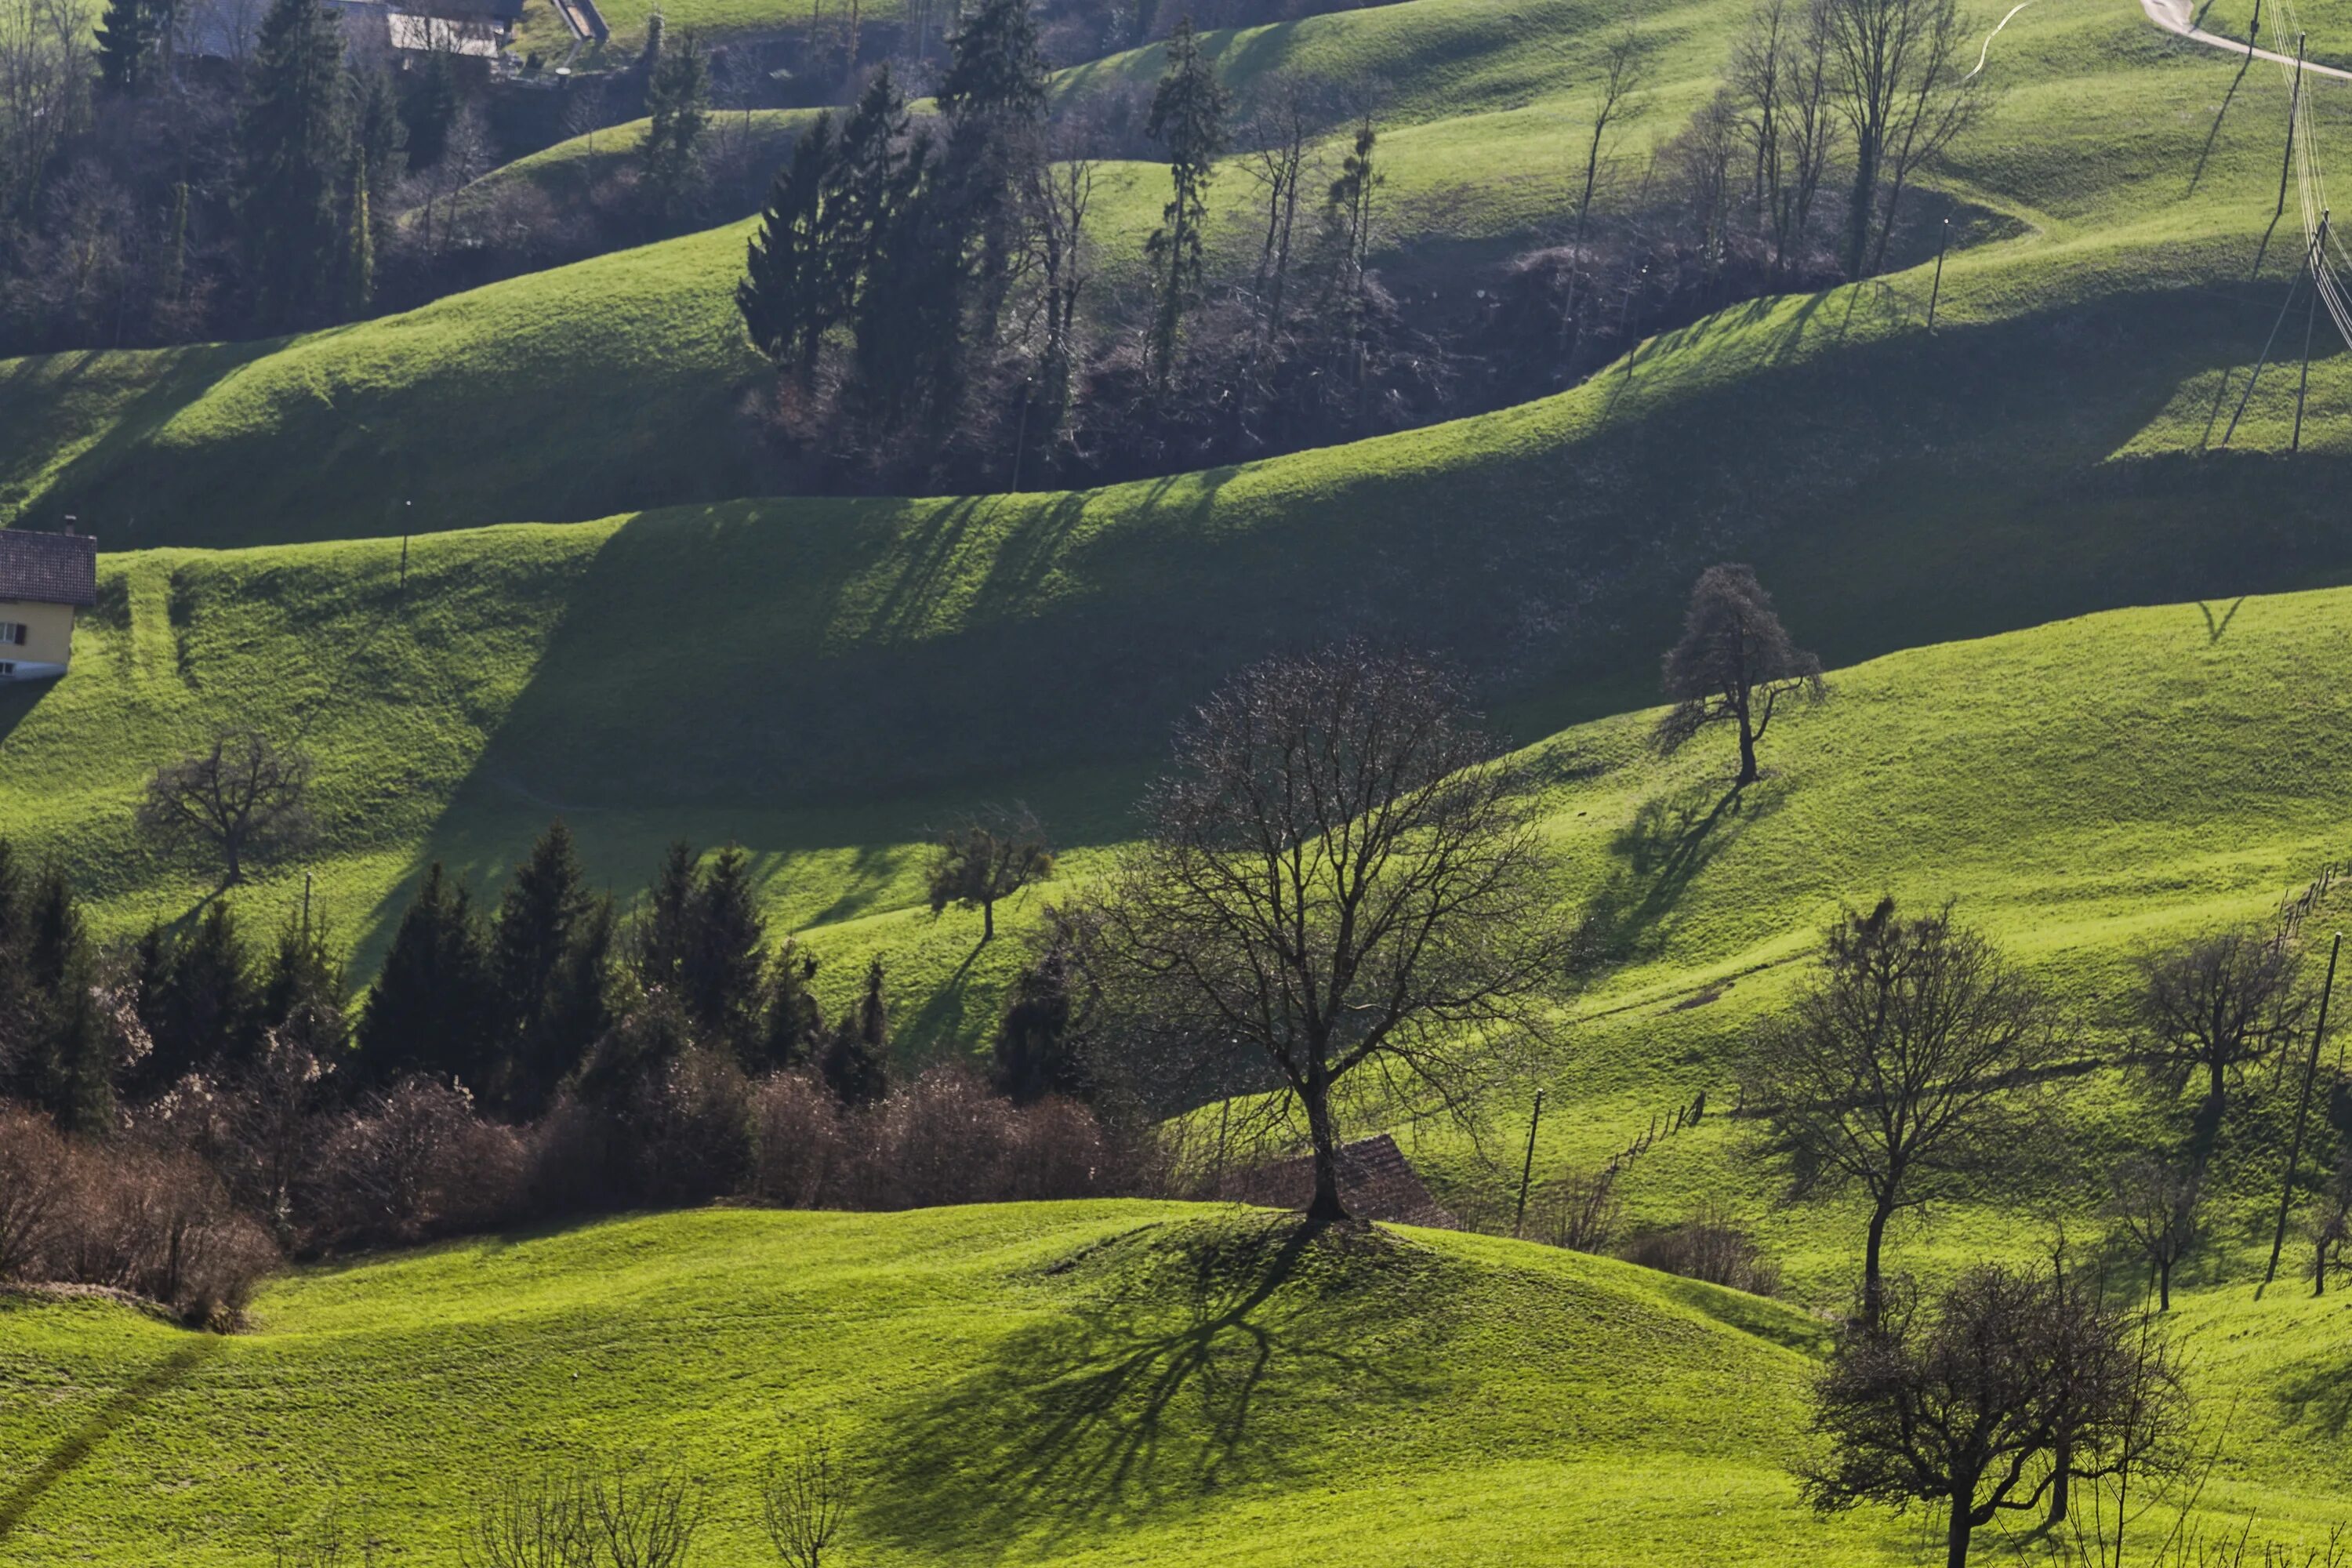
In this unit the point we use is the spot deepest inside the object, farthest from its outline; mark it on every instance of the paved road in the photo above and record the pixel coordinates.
(2179, 17)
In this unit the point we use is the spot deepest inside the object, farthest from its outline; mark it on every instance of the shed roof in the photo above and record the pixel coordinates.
(48, 568)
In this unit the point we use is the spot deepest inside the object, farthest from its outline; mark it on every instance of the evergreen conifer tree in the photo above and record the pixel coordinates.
(726, 958)
(548, 958)
(795, 1024)
(131, 37)
(856, 1059)
(78, 1080)
(786, 296)
(432, 1008)
(677, 110)
(666, 931)
(994, 98)
(205, 1018)
(301, 990)
(18, 1048)
(1188, 116)
(292, 135)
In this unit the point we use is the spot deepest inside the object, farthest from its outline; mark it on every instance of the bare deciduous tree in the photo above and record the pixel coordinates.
(1624, 70)
(2330, 1228)
(1780, 79)
(1335, 883)
(616, 1512)
(1734, 665)
(242, 794)
(536, 1523)
(46, 75)
(1897, 1066)
(2153, 1204)
(2216, 1006)
(1898, 68)
(804, 1499)
(1281, 136)
(1965, 1406)
(991, 855)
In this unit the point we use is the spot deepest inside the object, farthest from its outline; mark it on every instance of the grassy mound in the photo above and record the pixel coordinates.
(1034, 1384)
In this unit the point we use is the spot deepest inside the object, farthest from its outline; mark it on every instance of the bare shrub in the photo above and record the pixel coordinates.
(1579, 1211)
(414, 1162)
(1709, 1247)
(800, 1145)
(153, 1223)
(802, 1499)
(33, 1188)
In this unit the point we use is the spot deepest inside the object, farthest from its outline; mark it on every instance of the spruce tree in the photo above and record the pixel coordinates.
(1034, 1053)
(78, 1080)
(678, 110)
(301, 991)
(856, 1059)
(787, 296)
(131, 36)
(549, 995)
(666, 931)
(993, 99)
(206, 1017)
(795, 1024)
(430, 109)
(432, 1008)
(908, 321)
(292, 135)
(18, 1048)
(726, 958)
(1188, 116)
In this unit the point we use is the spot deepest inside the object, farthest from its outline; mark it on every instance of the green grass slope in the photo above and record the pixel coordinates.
(1054, 1383)
(565, 395)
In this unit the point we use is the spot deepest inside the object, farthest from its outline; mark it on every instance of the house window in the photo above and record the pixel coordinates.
(7, 669)
(12, 633)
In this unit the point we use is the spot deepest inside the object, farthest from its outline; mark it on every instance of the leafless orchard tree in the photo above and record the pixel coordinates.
(2011, 1383)
(989, 855)
(1898, 1065)
(615, 1512)
(1734, 665)
(2329, 1227)
(2152, 1203)
(804, 1500)
(2217, 1006)
(1902, 86)
(536, 1523)
(244, 794)
(1335, 885)
(1059, 192)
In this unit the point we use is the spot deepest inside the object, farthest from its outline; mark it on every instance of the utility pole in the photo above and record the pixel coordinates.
(407, 520)
(2309, 260)
(2254, 29)
(1527, 1167)
(2310, 318)
(1937, 292)
(2303, 1109)
(2293, 107)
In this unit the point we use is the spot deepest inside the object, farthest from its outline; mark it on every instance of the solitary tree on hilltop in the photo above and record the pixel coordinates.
(990, 856)
(1335, 883)
(1896, 1067)
(242, 794)
(1734, 665)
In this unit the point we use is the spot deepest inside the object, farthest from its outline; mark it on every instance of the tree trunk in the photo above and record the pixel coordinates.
(1865, 198)
(229, 848)
(1955, 1534)
(1872, 1289)
(1325, 1204)
(2217, 1092)
(2164, 1286)
(2062, 1459)
(987, 920)
(1748, 771)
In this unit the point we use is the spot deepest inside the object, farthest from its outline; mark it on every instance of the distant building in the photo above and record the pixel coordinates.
(46, 579)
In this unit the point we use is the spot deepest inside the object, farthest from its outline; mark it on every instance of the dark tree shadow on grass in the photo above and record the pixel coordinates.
(1196, 1368)
(1671, 838)
(120, 1407)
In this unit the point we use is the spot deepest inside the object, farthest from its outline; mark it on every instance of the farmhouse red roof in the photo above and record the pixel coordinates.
(48, 568)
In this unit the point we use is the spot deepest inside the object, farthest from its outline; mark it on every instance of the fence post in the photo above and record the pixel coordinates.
(1527, 1167)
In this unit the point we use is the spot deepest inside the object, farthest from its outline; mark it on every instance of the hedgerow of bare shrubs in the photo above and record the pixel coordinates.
(153, 1223)
(1709, 1245)
(414, 1162)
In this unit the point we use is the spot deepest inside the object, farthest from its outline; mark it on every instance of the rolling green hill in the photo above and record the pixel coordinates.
(1049, 1384)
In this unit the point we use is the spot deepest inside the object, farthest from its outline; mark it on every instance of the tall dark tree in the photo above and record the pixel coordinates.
(726, 960)
(1037, 1051)
(1188, 118)
(548, 955)
(856, 1060)
(788, 297)
(434, 1008)
(1896, 1067)
(908, 318)
(796, 1033)
(1337, 885)
(678, 113)
(1734, 665)
(2215, 1006)
(73, 1048)
(992, 95)
(292, 147)
(18, 1046)
(205, 1016)
(301, 992)
(130, 39)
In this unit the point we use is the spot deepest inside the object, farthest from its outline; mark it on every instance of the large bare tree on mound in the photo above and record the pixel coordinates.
(244, 794)
(1335, 885)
